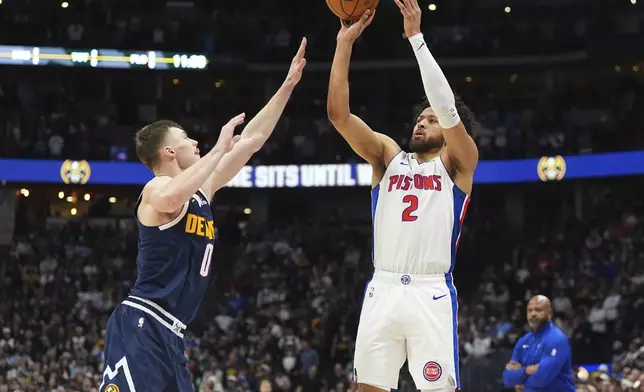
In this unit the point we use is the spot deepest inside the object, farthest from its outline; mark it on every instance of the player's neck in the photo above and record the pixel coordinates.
(169, 169)
(426, 156)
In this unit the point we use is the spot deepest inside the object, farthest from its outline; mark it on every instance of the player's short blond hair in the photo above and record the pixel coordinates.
(148, 141)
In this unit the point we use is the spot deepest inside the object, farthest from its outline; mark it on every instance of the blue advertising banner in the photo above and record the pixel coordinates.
(545, 169)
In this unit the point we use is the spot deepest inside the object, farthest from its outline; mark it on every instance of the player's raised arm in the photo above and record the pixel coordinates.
(375, 148)
(260, 128)
(461, 150)
(169, 194)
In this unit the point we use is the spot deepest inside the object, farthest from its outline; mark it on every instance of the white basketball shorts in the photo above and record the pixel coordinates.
(412, 317)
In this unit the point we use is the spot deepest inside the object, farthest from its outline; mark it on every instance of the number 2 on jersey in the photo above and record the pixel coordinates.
(205, 263)
(412, 200)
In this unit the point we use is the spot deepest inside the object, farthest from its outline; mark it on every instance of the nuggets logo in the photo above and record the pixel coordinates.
(432, 371)
(551, 168)
(112, 388)
(75, 172)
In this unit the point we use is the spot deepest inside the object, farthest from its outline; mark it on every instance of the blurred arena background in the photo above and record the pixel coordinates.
(557, 207)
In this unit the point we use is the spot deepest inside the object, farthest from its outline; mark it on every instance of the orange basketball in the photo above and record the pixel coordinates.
(351, 9)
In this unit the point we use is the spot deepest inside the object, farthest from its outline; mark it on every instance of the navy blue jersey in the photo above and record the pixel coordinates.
(174, 259)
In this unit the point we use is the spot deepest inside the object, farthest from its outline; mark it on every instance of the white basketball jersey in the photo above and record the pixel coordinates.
(417, 213)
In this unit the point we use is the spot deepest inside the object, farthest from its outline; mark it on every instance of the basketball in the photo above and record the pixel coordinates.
(351, 9)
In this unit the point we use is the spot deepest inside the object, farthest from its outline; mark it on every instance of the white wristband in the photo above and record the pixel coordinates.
(437, 89)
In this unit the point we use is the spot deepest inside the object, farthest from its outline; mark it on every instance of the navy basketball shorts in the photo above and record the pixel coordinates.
(144, 350)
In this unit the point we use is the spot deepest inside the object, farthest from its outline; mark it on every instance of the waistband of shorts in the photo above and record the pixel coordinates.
(407, 279)
(155, 310)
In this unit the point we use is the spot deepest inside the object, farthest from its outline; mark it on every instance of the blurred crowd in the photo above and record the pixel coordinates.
(592, 268)
(528, 109)
(285, 315)
(48, 115)
(262, 31)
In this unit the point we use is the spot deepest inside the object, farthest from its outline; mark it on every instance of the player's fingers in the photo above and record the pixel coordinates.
(238, 119)
(304, 44)
(301, 49)
(364, 18)
(302, 65)
(368, 22)
(299, 66)
(409, 5)
(400, 5)
(403, 10)
(414, 5)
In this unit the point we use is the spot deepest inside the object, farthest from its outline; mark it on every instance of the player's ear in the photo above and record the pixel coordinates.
(169, 152)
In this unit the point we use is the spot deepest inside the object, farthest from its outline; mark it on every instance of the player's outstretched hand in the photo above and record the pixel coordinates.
(226, 140)
(351, 31)
(411, 16)
(297, 66)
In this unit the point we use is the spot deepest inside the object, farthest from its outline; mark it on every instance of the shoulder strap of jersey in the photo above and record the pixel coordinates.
(203, 193)
(136, 207)
(402, 156)
(449, 175)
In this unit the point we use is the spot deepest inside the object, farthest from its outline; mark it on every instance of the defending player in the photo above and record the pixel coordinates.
(144, 348)
(418, 205)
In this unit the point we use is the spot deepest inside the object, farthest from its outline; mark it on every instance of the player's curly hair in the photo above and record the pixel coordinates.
(464, 112)
(148, 141)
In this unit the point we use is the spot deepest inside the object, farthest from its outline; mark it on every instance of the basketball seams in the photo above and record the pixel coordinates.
(338, 8)
(335, 11)
(354, 8)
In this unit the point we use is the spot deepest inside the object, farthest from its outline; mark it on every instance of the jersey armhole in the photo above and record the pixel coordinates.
(165, 226)
(450, 177)
(384, 173)
(204, 194)
(177, 219)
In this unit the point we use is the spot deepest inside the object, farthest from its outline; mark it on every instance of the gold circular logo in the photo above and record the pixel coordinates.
(75, 172)
(112, 388)
(551, 168)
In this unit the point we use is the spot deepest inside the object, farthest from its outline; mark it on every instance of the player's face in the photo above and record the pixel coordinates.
(538, 314)
(427, 135)
(181, 147)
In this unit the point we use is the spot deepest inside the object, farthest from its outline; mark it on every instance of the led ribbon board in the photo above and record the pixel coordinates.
(545, 169)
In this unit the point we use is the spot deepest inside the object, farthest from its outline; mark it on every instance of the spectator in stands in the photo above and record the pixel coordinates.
(542, 359)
